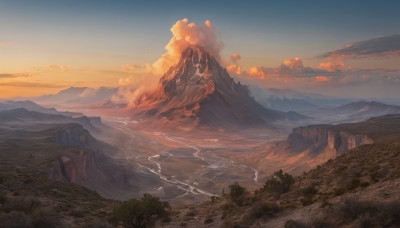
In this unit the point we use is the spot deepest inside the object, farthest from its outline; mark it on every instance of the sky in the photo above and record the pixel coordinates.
(343, 48)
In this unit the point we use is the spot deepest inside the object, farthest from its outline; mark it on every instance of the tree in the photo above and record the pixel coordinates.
(141, 213)
(279, 183)
(237, 193)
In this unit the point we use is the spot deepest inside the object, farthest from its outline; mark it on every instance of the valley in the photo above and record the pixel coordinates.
(202, 164)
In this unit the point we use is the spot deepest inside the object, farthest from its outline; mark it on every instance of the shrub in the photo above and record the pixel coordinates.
(352, 209)
(319, 223)
(351, 183)
(97, 224)
(262, 209)
(228, 208)
(308, 195)
(279, 183)
(46, 218)
(78, 212)
(22, 203)
(237, 193)
(294, 224)
(208, 220)
(17, 219)
(140, 213)
(3, 199)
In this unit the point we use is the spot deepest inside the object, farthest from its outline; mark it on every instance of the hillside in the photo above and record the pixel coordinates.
(26, 187)
(358, 187)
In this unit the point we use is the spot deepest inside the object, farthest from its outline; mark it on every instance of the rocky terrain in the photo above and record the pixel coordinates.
(197, 91)
(359, 188)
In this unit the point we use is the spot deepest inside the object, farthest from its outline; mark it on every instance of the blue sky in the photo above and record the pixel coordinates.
(82, 34)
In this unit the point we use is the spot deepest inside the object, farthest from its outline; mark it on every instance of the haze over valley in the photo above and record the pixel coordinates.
(212, 123)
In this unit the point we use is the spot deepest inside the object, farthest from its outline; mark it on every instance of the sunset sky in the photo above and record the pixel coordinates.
(342, 48)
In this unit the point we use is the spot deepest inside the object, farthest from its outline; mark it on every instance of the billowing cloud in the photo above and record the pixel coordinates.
(377, 47)
(234, 69)
(332, 66)
(144, 78)
(259, 72)
(185, 34)
(292, 70)
(293, 63)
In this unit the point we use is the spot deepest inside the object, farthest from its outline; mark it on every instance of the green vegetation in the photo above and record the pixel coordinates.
(140, 213)
(279, 183)
(238, 194)
(308, 195)
(29, 212)
(358, 214)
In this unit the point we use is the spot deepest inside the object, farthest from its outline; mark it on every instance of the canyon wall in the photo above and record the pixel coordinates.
(322, 139)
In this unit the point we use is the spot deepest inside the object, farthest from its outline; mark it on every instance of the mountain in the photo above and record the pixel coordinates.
(292, 100)
(78, 96)
(32, 106)
(197, 91)
(362, 109)
(21, 117)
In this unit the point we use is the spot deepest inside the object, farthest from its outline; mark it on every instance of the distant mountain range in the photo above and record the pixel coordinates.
(366, 109)
(79, 96)
(32, 106)
(291, 100)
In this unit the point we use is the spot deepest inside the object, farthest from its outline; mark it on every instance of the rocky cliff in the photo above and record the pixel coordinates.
(322, 139)
(88, 164)
(74, 136)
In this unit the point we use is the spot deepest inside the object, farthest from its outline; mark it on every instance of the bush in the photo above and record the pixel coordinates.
(140, 213)
(319, 223)
(3, 199)
(97, 224)
(208, 220)
(78, 212)
(237, 193)
(279, 183)
(228, 208)
(316, 223)
(17, 219)
(262, 209)
(22, 203)
(308, 195)
(352, 209)
(351, 183)
(46, 218)
(294, 224)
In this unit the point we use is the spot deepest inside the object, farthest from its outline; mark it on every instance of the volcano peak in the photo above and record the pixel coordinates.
(199, 91)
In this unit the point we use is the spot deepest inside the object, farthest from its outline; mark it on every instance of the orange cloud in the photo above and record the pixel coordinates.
(256, 72)
(331, 66)
(234, 69)
(293, 62)
(321, 78)
(185, 34)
